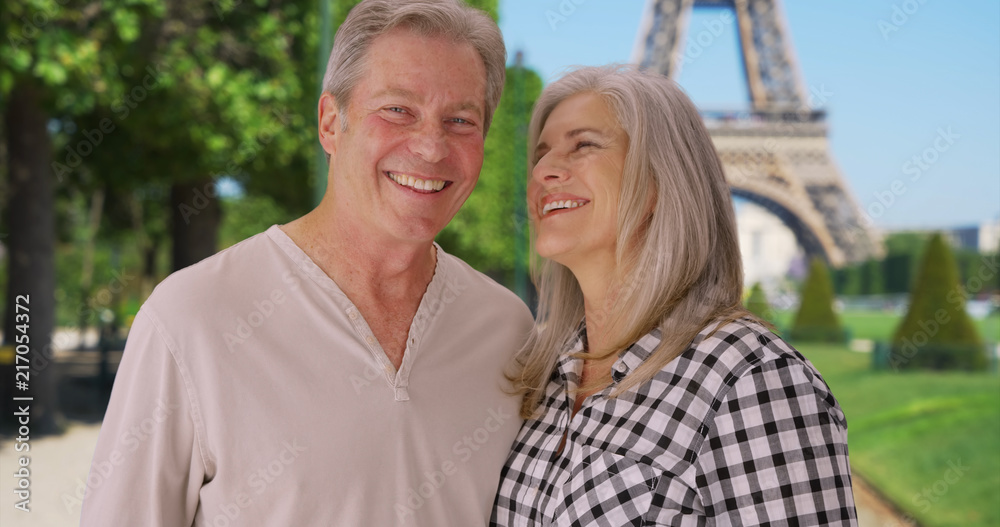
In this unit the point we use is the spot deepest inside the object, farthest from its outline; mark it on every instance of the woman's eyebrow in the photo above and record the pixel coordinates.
(542, 146)
(577, 131)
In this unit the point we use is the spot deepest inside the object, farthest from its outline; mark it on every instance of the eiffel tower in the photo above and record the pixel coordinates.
(776, 154)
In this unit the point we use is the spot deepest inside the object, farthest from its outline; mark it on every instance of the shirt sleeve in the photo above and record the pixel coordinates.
(777, 452)
(148, 466)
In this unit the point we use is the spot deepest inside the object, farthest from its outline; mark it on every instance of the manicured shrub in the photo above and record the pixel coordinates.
(937, 333)
(758, 305)
(815, 320)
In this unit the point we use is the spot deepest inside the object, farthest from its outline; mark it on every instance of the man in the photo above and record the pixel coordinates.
(340, 369)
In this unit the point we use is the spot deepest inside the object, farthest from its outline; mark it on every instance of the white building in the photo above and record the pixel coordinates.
(769, 247)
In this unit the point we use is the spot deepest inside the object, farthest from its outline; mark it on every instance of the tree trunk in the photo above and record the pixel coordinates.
(148, 246)
(31, 271)
(195, 223)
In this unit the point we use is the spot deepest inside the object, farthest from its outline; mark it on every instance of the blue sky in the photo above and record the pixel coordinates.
(889, 97)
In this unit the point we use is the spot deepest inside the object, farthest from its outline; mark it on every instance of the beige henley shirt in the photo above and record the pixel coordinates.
(252, 392)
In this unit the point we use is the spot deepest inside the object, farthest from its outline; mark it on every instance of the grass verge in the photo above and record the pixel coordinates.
(930, 442)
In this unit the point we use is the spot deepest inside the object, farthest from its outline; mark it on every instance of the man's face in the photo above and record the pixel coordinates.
(413, 147)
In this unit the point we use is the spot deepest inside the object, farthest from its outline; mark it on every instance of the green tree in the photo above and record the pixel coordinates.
(485, 230)
(937, 332)
(873, 279)
(758, 305)
(56, 60)
(133, 94)
(816, 320)
(903, 252)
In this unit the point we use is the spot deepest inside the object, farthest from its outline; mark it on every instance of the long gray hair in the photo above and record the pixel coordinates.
(678, 263)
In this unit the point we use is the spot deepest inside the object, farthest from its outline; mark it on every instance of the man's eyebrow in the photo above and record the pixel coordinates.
(409, 95)
(396, 92)
(469, 105)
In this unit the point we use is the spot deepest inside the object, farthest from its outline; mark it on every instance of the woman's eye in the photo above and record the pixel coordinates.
(583, 144)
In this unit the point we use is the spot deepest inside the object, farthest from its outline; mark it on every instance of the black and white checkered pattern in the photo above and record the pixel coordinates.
(739, 430)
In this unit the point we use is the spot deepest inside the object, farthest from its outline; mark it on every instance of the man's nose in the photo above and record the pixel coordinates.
(430, 142)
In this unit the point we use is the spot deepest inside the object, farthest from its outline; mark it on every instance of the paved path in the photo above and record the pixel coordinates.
(59, 468)
(59, 464)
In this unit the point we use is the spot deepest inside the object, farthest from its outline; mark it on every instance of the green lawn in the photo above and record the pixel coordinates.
(930, 442)
(879, 325)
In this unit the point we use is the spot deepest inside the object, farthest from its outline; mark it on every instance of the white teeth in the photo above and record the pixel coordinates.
(417, 183)
(563, 204)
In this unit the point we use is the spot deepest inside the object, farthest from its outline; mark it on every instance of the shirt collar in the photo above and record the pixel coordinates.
(568, 367)
(635, 355)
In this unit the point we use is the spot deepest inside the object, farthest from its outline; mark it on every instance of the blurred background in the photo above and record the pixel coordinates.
(861, 140)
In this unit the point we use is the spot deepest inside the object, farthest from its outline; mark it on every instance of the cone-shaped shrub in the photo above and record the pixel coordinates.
(816, 321)
(758, 305)
(937, 333)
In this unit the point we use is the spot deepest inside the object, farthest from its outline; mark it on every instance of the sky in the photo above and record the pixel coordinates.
(900, 78)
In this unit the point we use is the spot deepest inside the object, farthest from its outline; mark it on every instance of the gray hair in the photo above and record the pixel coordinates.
(678, 265)
(450, 18)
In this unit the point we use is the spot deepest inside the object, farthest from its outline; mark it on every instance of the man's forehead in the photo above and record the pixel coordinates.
(390, 69)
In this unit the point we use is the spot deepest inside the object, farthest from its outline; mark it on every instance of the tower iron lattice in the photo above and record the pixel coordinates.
(776, 153)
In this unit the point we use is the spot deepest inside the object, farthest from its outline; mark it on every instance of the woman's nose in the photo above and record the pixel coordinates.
(549, 170)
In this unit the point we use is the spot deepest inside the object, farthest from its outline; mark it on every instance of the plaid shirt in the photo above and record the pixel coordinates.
(738, 430)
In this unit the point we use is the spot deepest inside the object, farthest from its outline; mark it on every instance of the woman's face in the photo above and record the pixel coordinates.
(574, 187)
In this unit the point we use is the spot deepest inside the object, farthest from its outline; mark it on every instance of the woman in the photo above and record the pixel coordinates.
(651, 397)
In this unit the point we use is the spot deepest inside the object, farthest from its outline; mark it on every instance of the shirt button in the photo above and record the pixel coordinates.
(352, 314)
(370, 339)
(620, 367)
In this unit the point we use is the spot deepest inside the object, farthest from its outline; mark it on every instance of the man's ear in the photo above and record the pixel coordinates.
(329, 123)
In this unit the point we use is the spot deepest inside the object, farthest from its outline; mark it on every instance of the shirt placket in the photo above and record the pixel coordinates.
(556, 473)
(376, 351)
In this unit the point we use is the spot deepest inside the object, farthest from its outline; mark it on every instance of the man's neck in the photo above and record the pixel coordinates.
(362, 262)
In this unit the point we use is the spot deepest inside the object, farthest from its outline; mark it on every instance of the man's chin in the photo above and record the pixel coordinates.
(417, 229)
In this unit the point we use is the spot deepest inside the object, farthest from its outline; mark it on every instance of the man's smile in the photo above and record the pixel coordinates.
(428, 186)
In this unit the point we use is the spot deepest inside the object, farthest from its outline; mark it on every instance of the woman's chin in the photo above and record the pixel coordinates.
(552, 249)
(563, 256)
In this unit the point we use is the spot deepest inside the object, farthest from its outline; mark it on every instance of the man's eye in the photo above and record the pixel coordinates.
(396, 109)
(459, 120)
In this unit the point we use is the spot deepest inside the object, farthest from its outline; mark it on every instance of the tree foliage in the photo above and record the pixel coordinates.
(486, 229)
